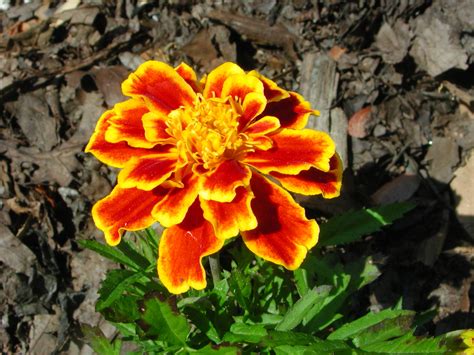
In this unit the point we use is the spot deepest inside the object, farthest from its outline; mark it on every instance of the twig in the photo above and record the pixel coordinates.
(215, 265)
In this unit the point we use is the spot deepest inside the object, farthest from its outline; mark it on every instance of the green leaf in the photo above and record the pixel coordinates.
(408, 344)
(351, 226)
(324, 313)
(99, 342)
(362, 272)
(300, 309)
(109, 252)
(245, 333)
(216, 350)
(352, 329)
(160, 319)
(387, 329)
(275, 339)
(115, 283)
(323, 348)
(123, 310)
(302, 280)
(127, 249)
(241, 287)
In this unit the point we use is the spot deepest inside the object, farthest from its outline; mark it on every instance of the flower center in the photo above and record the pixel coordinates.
(207, 132)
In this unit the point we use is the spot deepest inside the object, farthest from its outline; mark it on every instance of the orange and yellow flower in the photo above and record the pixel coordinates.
(208, 160)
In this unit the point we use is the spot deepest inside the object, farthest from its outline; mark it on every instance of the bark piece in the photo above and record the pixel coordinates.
(319, 81)
(463, 189)
(393, 41)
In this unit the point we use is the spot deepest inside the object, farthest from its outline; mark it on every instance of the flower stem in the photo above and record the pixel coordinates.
(215, 268)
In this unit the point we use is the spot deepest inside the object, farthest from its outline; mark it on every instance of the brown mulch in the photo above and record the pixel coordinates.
(394, 84)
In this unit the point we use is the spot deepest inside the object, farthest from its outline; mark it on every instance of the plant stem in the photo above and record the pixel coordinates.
(215, 268)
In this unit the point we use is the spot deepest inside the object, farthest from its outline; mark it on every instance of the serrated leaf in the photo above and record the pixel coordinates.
(408, 344)
(99, 342)
(276, 338)
(114, 284)
(323, 348)
(351, 226)
(387, 329)
(123, 310)
(160, 319)
(111, 253)
(300, 309)
(352, 329)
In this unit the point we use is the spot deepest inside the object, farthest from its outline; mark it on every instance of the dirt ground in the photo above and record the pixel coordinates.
(393, 81)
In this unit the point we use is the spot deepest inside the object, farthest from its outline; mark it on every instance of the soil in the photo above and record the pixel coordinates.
(393, 81)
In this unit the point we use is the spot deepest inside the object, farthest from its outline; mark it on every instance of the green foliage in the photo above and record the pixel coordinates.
(351, 226)
(161, 320)
(257, 307)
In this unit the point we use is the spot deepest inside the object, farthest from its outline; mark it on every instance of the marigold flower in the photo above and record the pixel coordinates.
(204, 159)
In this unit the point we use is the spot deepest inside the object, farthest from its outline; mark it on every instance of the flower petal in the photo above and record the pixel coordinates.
(294, 151)
(283, 234)
(231, 217)
(127, 124)
(182, 248)
(113, 154)
(264, 125)
(220, 185)
(155, 128)
(146, 173)
(248, 91)
(124, 209)
(240, 85)
(254, 104)
(314, 181)
(172, 209)
(293, 112)
(160, 86)
(216, 78)
(188, 74)
(258, 131)
(271, 90)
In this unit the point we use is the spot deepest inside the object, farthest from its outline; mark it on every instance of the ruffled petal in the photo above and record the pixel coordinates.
(127, 125)
(247, 90)
(155, 128)
(220, 185)
(124, 209)
(216, 78)
(262, 126)
(271, 90)
(182, 248)
(113, 154)
(314, 181)
(238, 86)
(146, 173)
(231, 217)
(162, 88)
(294, 151)
(283, 234)
(254, 104)
(172, 209)
(293, 112)
(188, 74)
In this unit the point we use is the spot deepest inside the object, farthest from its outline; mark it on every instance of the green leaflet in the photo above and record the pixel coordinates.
(350, 227)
